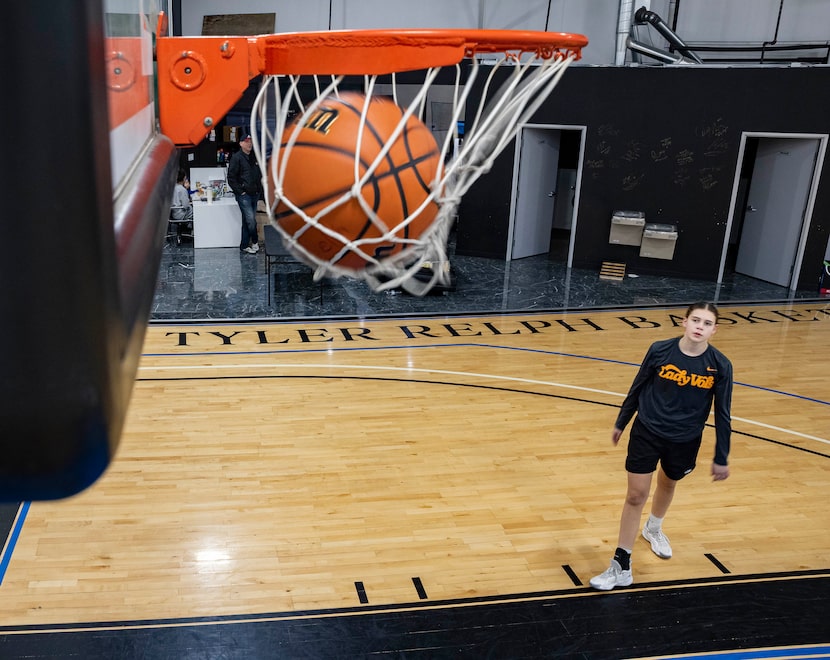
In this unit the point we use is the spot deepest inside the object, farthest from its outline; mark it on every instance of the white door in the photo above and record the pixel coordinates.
(535, 192)
(776, 205)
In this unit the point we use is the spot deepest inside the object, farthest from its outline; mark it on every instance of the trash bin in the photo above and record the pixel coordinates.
(658, 241)
(824, 279)
(627, 227)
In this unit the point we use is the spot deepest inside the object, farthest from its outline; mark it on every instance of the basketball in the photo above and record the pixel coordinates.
(320, 167)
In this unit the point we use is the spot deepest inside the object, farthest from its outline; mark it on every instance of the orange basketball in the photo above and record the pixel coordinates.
(320, 168)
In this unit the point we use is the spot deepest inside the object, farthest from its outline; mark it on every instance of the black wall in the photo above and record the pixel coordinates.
(665, 141)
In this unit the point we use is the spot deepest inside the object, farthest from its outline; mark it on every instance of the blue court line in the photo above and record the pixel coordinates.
(495, 346)
(822, 651)
(15, 534)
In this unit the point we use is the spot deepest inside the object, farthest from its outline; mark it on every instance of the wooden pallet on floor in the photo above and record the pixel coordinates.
(612, 271)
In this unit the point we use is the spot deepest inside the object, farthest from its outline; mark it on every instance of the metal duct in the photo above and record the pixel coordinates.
(643, 15)
(657, 53)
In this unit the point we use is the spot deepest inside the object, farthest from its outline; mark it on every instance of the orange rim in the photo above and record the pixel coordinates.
(356, 52)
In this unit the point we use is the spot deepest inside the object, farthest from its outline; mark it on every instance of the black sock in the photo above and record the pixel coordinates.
(623, 559)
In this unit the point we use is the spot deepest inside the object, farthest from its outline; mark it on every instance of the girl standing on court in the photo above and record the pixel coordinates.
(672, 394)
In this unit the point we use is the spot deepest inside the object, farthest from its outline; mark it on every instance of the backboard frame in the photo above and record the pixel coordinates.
(80, 260)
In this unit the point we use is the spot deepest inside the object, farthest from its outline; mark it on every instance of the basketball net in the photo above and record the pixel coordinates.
(500, 113)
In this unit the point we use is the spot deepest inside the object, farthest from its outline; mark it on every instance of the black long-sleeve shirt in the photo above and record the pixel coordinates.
(673, 393)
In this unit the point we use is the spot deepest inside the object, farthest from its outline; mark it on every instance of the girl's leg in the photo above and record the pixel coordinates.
(635, 499)
(663, 495)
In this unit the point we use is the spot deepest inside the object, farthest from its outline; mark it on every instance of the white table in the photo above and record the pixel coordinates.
(217, 223)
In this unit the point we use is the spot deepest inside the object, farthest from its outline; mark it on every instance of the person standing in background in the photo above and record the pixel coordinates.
(245, 179)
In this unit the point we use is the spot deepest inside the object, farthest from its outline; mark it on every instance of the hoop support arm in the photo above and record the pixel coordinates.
(200, 79)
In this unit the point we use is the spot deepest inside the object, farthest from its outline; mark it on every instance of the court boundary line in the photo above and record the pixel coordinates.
(795, 652)
(412, 606)
(443, 345)
(724, 306)
(11, 541)
(458, 373)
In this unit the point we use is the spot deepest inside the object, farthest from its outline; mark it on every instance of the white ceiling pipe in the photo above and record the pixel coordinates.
(626, 15)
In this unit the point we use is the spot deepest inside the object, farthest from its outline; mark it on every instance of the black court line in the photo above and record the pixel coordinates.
(714, 560)
(570, 572)
(495, 388)
(419, 588)
(717, 617)
(361, 592)
(394, 347)
(805, 578)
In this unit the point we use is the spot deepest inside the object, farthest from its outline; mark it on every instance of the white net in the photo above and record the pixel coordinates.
(397, 252)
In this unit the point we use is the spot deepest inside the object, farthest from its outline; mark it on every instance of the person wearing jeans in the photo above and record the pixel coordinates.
(247, 204)
(245, 179)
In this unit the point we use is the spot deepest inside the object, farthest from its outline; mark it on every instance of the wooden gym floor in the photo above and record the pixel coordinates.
(431, 487)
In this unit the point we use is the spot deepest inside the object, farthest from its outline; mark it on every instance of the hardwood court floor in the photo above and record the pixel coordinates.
(350, 466)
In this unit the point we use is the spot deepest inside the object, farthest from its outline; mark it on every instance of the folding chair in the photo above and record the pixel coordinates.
(178, 228)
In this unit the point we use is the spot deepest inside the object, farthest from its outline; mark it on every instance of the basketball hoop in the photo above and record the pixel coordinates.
(306, 71)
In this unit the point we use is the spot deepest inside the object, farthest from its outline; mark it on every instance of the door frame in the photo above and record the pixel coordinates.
(811, 198)
(517, 154)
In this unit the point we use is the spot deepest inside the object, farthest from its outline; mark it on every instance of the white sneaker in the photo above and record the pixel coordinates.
(614, 576)
(660, 545)
(255, 246)
(249, 250)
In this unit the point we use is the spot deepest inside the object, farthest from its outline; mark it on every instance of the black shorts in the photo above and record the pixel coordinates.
(645, 449)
